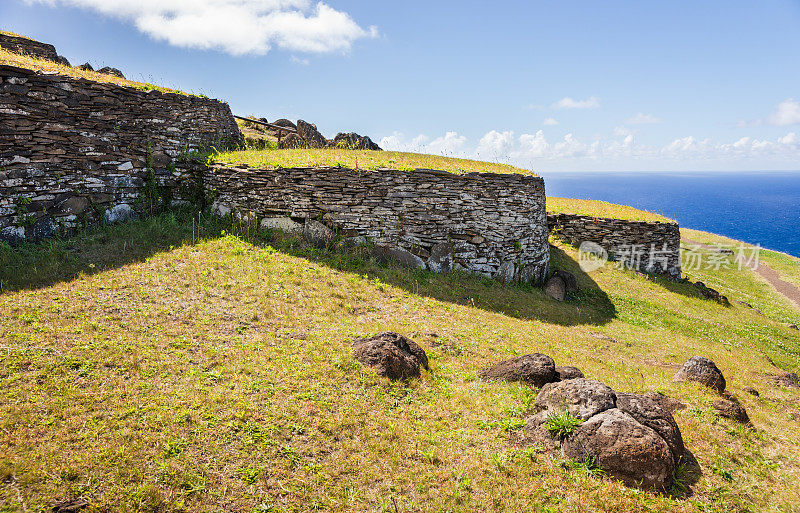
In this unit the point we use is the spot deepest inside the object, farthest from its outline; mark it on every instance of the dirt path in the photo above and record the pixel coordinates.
(788, 290)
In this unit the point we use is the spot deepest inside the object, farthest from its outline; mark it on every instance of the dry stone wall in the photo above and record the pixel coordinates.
(75, 151)
(645, 246)
(493, 224)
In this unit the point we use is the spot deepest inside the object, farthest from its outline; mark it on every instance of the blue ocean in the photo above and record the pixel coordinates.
(759, 207)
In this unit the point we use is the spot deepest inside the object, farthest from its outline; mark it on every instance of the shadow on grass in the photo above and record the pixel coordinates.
(34, 266)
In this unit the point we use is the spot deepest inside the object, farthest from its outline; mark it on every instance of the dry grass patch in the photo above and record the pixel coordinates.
(602, 209)
(360, 159)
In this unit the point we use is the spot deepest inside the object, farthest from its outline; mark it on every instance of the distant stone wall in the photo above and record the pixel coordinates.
(30, 47)
(493, 224)
(651, 247)
(75, 151)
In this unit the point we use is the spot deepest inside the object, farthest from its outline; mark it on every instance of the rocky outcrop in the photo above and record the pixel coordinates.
(629, 436)
(703, 371)
(391, 355)
(532, 369)
(25, 46)
(108, 70)
(309, 134)
(353, 141)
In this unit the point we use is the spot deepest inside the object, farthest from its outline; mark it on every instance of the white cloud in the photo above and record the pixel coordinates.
(495, 144)
(451, 144)
(643, 119)
(298, 60)
(569, 103)
(549, 122)
(235, 26)
(787, 113)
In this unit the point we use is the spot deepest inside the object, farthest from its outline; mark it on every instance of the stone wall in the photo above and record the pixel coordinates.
(651, 247)
(27, 46)
(493, 224)
(74, 151)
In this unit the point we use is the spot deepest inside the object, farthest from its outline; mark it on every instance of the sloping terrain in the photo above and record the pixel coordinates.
(181, 364)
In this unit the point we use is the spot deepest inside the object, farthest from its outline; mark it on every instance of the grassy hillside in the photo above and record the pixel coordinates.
(180, 364)
(601, 209)
(361, 159)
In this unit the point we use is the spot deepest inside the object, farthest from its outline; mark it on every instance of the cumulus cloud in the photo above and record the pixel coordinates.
(235, 26)
(549, 122)
(643, 119)
(787, 113)
(569, 103)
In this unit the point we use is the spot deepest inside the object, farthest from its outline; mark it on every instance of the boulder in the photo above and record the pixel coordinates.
(107, 70)
(317, 233)
(506, 272)
(353, 141)
(12, 234)
(391, 355)
(570, 281)
(283, 224)
(631, 437)
(391, 254)
(624, 448)
(668, 403)
(581, 397)
(63, 61)
(565, 373)
(731, 410)
(555, 288)
(220, 209)
(310, 135)
(119, 213)
(532, 369)
(86, 67)
(701, 370)
(649, 412)
(441, 258)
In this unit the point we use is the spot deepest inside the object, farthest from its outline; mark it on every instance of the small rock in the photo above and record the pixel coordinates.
(565, 373)
(532, 369)
(70, 505)
(570, 281)
(751, 391)
(506, 271)
(731, 410)
(580, 397)
(555, 288)
(391, 355)
(793, 327)
(12, 234)
(86, 67)
(220, 209)
(317, 233)
(441, 259)
(701, 370)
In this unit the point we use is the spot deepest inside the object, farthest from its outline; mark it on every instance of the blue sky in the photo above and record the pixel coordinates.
(552, 86)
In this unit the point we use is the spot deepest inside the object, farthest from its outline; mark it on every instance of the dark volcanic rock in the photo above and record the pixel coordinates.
(310, 135)
(291, 141)
(86, 67)
(731, 410)
(790, 379)
(624, 448)
(565, 373)
(649, 412)
(751, 391)
(285, 123)
(391, 355)
(533, 369)
(580, 397)
(353, 141)
(701, 370)
(63, 61)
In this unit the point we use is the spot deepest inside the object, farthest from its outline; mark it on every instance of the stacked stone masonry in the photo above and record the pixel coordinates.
(74, 151)
(493, 224)
(645, 246)
(25, 46)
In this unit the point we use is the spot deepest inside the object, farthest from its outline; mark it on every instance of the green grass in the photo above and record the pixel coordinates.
(562, 424)
(359, 159)
(601, 209)
(180, 364)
